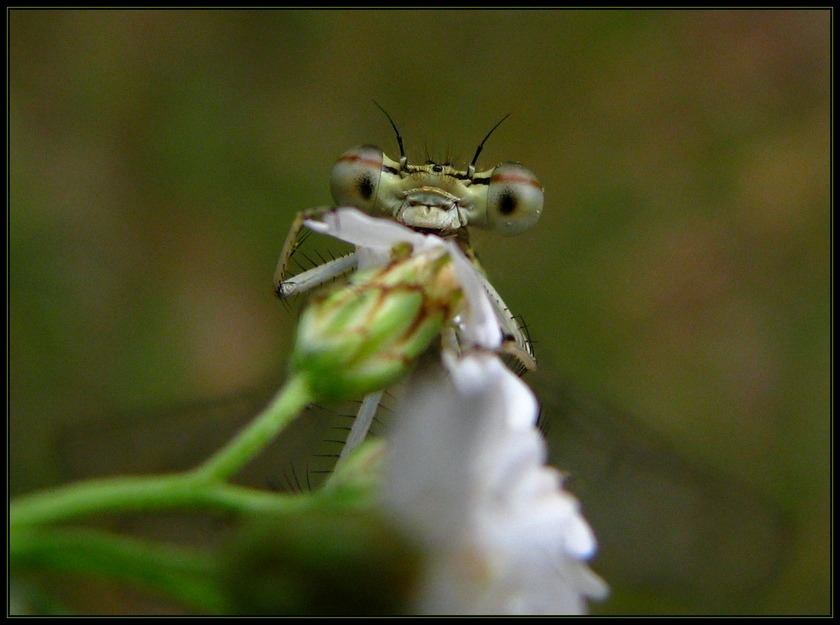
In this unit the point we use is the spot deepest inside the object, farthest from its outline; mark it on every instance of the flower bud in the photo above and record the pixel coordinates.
(367, 335)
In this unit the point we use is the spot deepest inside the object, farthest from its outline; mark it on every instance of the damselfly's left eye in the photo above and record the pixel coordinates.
(355, 177)
(514, 199)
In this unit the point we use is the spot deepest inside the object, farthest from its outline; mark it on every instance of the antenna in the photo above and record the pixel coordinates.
(471, 169)
(403, 158)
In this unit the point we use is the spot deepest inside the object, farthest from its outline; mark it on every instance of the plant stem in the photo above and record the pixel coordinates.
(186, 575)
(139, 494)
(202, 487)
(283, 408)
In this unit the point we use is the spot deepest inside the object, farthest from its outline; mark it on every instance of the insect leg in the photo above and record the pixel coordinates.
(315, 276)
(292, 243)
(308, 279)
(361, 425)
(516, 342)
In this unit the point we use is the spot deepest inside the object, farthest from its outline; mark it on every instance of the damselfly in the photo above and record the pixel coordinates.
(432, 198)
(664, 523)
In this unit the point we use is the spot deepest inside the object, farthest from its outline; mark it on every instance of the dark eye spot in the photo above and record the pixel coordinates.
(365, 186)
(437, 169)
(507, 203)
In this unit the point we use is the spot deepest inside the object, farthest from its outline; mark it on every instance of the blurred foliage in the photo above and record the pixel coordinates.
(321, 563)
(681, 269)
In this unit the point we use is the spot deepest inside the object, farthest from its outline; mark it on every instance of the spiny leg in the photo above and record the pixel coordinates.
(316, 276)
(516, 342)
(291, 244)
(361, 425)
(285, 288)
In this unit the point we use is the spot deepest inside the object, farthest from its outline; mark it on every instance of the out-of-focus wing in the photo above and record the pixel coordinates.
(664, 525)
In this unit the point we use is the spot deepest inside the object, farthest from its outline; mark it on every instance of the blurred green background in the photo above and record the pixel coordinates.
(681, 269)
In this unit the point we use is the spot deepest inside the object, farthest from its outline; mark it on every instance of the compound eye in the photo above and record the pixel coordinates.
(354, 180)
(514, 199)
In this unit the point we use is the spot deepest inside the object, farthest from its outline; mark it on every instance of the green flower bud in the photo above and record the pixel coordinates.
(367, 335)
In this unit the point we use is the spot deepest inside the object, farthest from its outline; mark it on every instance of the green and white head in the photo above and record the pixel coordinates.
(507, 199)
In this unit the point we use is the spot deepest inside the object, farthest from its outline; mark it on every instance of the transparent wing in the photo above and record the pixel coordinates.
(178, 438)
(665, 526)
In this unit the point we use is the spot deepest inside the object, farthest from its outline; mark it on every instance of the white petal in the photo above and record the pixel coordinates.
(580, 541)
(354, 226)
(466, 474)
(478, 372)
(483, 327)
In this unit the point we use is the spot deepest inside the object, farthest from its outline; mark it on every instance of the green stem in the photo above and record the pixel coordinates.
(282, 409)
(185, 575)
(203, 487)
(144, 494)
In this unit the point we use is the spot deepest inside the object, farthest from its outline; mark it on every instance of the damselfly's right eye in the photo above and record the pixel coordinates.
(514, 199)
(355, 177)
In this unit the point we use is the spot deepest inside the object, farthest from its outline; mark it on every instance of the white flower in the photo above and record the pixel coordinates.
(466, 477)
(466, 474)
